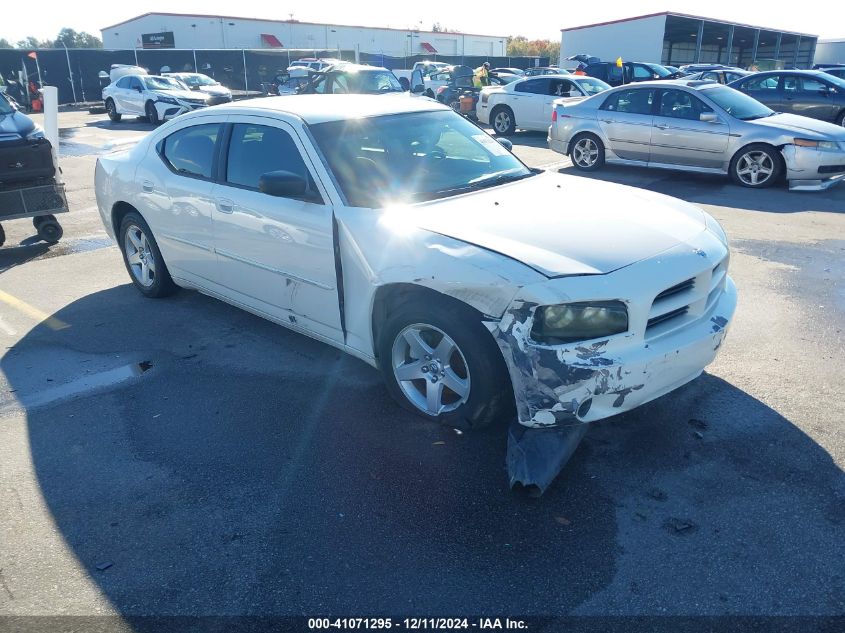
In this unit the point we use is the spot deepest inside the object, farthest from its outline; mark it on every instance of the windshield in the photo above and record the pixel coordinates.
(593, 86)
(737, 104)
(399, 158)
(198, 80)
(5, 106)
(659, 70)
(163, 83)
(374, 82)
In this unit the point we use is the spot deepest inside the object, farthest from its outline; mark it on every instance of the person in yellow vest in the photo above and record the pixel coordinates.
(481, 75)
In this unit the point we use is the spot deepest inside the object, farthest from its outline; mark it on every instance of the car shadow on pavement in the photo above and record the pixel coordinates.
(246, 469)
(139, 124)
(718, 190)
(29, 249)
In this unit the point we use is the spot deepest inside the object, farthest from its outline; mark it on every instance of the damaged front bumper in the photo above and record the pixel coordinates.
(809, 169)
(563, 385)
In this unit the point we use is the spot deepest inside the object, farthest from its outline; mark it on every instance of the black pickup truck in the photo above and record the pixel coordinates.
(30, 181)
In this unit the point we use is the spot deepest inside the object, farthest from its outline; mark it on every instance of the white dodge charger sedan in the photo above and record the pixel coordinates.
(396, 230)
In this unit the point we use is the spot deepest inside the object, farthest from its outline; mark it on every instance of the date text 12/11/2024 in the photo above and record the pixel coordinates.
(417, 624)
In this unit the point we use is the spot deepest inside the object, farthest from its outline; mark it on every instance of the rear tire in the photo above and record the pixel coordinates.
(756, 166)
(587, 152)
(841, 119)
(111, 109)
(143, 259)
(2, 236)
(502, 120)
(152, 113)
(414, 357)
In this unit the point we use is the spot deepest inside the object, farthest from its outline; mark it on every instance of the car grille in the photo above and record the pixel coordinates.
(685, 301)
(195, 103)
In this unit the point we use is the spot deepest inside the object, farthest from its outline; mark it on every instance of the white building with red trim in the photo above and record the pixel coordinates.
(172, 30)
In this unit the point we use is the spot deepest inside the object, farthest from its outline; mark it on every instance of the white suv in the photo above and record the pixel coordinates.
(151, 96)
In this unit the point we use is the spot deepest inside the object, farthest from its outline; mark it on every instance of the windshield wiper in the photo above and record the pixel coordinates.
(482, 183)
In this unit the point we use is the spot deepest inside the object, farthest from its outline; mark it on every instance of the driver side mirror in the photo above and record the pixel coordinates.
(506, 143)
(417, 83)
(138, 88)
(282, 184)
(708, 117)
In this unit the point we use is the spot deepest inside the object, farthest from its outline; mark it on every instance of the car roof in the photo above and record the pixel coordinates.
(315, 109)
(349, 66)
(808, 73)
(670, 83)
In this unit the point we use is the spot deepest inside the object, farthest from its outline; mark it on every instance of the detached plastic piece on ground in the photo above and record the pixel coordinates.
(536, 456)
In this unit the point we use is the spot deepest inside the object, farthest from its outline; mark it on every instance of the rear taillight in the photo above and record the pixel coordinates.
(441, 89)
(554, 115)
(484, 97)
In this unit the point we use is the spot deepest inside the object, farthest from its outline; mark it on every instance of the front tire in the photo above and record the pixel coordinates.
(503, 121)
(111, 109)
(440, 362)
(152, 113)
(143, 259)
(587, 152)
(756, 166)
(841, 119)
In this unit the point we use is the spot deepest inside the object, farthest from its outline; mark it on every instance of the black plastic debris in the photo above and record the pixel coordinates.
(104, 566)
(536, 456)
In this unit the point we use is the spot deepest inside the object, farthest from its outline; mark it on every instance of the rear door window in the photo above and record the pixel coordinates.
(534, 86)
(634, 101)
(190, 151)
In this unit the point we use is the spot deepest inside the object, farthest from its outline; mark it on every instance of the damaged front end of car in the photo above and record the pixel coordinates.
(583, 348)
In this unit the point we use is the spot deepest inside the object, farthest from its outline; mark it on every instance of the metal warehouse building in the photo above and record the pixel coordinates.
(676, 38)
(830, 52)
(172, 30)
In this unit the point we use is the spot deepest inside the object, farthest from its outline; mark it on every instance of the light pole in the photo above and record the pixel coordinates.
(70, 70)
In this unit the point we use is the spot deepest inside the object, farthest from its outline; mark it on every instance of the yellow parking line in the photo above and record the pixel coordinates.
(21, 306)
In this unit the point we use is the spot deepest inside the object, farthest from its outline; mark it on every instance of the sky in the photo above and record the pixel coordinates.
(542, 20)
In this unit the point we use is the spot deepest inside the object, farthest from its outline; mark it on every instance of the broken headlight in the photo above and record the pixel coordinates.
(571, 322)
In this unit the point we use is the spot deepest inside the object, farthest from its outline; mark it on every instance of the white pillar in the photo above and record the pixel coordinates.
(51, 115)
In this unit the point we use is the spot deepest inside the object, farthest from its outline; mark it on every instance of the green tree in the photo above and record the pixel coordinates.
(73, 39)
(4, 43)
(521, 46)
(33, 42)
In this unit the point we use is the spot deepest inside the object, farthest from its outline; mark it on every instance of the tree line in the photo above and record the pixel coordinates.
(67, 37)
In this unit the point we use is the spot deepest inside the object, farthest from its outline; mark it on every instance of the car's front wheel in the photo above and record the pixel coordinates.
(111, 109)
(152, 113)
(143, 259)
(841, 119)
(756, 166)
(440, 362)
(587, 152)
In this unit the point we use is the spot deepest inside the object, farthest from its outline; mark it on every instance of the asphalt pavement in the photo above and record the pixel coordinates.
(182, 457)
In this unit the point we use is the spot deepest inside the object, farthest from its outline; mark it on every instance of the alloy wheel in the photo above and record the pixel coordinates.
(140, 256)
(430, 369)
(585, 153)
(755, 168)
(502, 122)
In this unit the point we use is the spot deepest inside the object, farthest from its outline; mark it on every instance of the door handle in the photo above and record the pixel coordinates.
(661, 126)
(607, 120)
(147, 186)
(224, 205)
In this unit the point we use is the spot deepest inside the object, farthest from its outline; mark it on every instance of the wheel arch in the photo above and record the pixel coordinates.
(118, 212)
(392, 295)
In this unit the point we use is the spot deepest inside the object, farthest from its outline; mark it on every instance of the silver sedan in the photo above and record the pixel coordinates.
(702, 127)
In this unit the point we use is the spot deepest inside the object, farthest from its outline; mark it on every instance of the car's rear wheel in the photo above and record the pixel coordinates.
(440, 362)
(587, 152)
(503, 121)
(111, 110)
(143, 259)
(756, 166)
(841, 119)
(151, 112)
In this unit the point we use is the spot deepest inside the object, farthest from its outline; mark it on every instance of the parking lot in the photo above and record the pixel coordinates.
(183, 457)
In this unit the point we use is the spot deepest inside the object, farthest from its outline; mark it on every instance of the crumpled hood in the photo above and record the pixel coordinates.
(214, 90)
(565, 225)
(15, 123)
(803, 125)
(183, 94)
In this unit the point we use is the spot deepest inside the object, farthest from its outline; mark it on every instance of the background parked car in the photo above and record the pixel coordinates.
(352, 79)
(527, 103)
(629, 72)
(702, 127)
(719, 75)
(305, 66)
(839, 71)
(508, 71)
(544, 70)
(217, 92)
(152, 96)
(810, 93)
(462, 86)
